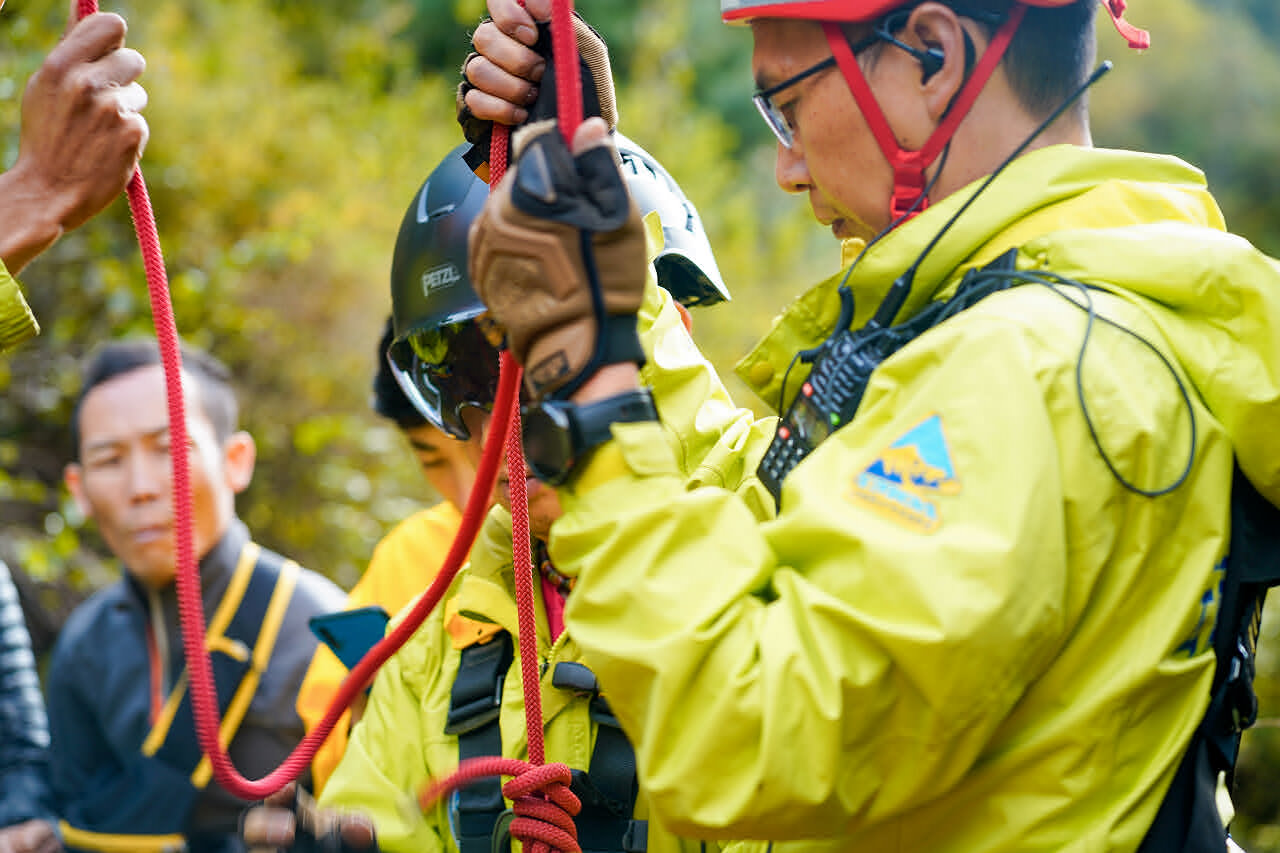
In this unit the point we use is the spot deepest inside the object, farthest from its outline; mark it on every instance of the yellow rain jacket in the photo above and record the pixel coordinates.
(400, 743)
(961, 632)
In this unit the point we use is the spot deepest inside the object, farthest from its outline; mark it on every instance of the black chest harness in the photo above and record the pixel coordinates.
(1188, 820)
(477, 813)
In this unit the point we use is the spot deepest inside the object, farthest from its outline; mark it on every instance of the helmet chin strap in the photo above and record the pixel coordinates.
(909, 166)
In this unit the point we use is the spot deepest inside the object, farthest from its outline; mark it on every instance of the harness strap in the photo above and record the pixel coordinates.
(268, 633)
(111, 842)
(251, 611)
(609, 788)
(475, 703)
(1188, 820)
(215, 639)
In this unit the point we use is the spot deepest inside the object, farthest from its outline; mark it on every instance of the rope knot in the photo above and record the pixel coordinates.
(544, 808)
(541, 800)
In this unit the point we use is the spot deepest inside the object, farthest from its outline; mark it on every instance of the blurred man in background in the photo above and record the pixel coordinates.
(126, 762)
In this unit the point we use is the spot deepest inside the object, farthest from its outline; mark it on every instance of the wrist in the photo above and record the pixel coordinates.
(608, 381)
(559, 435)
(27, 226)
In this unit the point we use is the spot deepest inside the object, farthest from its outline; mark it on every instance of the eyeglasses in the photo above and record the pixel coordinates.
(773, 114)
(445, 369)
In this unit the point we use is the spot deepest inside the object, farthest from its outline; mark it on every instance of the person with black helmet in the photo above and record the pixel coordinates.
(1018, 437)
(445, 357)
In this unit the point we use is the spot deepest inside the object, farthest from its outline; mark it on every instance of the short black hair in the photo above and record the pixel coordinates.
(1051, 55)
(389, 399)
(116, 358)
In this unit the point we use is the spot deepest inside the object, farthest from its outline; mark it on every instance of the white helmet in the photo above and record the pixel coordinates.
(685, 265)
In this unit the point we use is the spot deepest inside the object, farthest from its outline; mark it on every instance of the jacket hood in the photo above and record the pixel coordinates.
(1142, 225)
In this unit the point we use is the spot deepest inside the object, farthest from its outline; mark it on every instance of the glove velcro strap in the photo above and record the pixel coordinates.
(617, 342)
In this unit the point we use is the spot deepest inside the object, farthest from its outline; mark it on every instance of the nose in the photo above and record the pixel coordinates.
(477, 421)
(149, 476)
(790, 169)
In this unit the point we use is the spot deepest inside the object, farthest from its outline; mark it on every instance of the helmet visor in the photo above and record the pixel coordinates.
(446, 368)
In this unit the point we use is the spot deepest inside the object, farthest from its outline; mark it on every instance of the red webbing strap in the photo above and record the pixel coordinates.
(203, 693)
(908, 166)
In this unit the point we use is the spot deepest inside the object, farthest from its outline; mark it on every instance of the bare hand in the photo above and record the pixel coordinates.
(505, 71)
(274, 824)
(34, 836)
(82, 134)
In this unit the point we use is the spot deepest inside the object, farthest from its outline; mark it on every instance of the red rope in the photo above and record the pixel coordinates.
(540, 794)
(203, 692)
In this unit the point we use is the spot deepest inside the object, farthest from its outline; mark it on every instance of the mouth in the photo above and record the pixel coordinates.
(531, 483)
(151, 533)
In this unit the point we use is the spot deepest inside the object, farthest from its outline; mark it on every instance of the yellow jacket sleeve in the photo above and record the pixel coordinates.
(17, 323)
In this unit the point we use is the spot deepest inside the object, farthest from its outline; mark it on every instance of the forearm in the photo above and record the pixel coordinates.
(809, 658)
(26, 793)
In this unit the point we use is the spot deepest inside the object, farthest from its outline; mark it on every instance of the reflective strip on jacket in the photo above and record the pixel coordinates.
(961, 632)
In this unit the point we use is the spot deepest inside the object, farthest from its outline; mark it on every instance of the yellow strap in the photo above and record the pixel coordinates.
(262, 648)
(214, 639)
(111, 842)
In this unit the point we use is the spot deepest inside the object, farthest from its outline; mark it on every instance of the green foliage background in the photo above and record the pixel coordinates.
(287, 140)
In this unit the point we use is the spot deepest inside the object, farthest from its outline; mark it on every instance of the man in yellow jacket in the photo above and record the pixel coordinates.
(981, 619)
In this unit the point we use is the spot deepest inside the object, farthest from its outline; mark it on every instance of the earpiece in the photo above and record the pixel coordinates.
(931, 61)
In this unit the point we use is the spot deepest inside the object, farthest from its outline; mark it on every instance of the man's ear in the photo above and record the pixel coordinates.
(239, 456)
(938, 33)
(73, 476)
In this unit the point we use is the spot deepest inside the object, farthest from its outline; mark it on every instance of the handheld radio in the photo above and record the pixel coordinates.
(844, 362)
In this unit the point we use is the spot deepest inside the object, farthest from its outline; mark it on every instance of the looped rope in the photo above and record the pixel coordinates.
(540, 797)
(505, 415)
(544, 808)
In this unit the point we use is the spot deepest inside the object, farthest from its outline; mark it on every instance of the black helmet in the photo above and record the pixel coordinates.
(388, 398)
(433, 306)
(685, 265)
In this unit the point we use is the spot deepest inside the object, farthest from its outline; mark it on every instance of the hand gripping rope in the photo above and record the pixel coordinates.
(543, 803)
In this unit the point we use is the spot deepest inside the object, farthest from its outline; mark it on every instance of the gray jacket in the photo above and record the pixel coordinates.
(24, 727)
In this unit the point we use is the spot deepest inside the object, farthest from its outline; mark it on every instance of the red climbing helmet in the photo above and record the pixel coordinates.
(853, 11)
